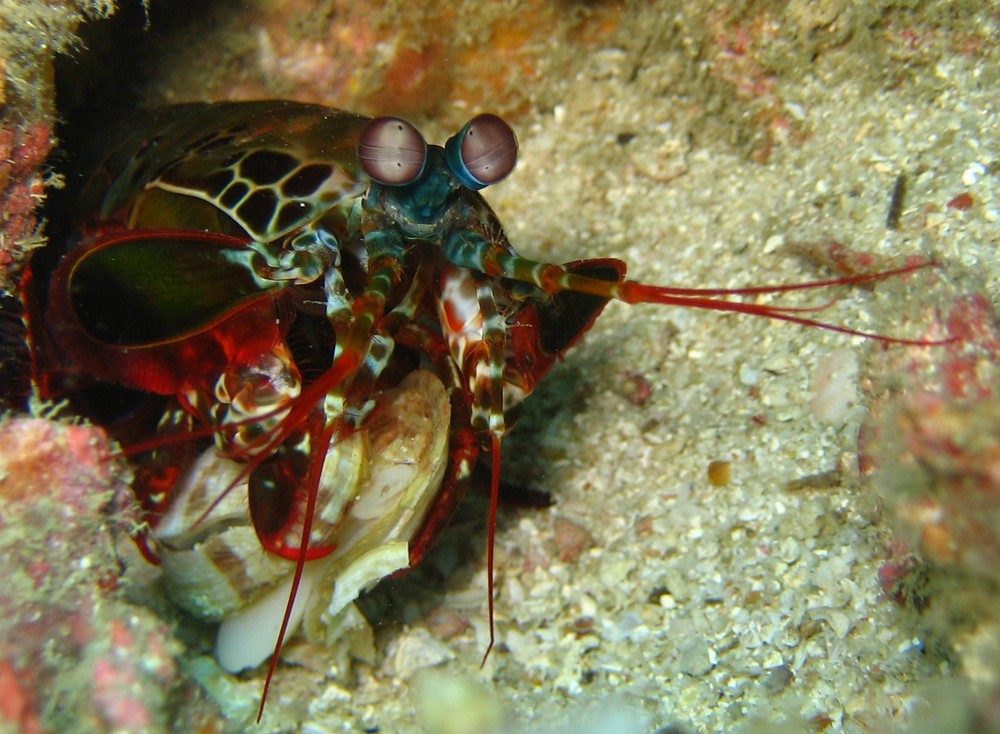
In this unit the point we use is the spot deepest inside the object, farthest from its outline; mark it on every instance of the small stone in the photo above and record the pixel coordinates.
(448, 704)
(697, 659)
(778, 679)
(444, 623)
(719, 473)
(833, 384)
(789, 550)
(571, 539)
(961, 202)
(748, 375)
(972, 174)
(418, 650)
(773, 243)
(667, 601)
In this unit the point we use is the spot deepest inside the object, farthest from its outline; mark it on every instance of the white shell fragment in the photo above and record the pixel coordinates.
(834, 387)
(246, 637)
(199, 550)
(409, 439)
(377, 487)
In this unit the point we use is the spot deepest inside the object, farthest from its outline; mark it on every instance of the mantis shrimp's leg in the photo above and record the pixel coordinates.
(487, 372)
(329, 391)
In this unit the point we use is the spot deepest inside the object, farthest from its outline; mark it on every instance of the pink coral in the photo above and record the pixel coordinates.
(22, 154)
(959, 447)
(17, 700)
(107, 666)
(935, 435)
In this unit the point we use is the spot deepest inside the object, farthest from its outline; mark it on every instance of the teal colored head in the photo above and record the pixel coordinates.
(418, 180)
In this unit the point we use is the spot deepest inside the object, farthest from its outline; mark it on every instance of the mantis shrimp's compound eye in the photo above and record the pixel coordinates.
(392, 152)
(483, 152)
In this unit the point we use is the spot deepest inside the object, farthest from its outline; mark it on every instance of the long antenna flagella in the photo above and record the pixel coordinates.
(557, 279)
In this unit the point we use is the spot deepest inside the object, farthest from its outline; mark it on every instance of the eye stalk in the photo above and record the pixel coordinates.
(392, 151)
(483, 152)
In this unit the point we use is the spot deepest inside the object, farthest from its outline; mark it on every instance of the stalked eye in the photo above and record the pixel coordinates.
(483, 152)
(392, 152)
